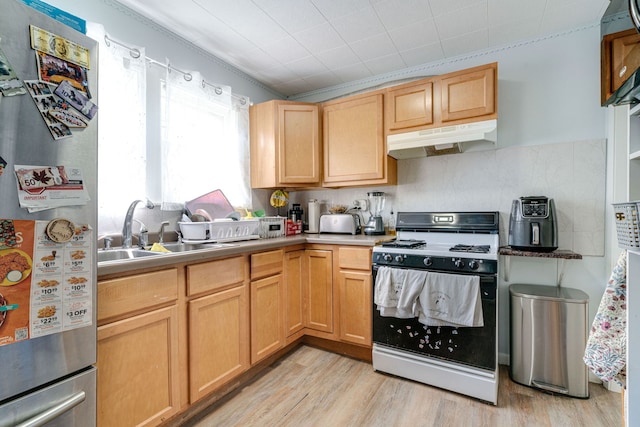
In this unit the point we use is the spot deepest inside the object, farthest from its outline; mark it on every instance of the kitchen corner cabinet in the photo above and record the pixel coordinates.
(354, 144)
(469, 95)
(293, 295)
(318, 290)
(355, 295)
(267, 301)
(285, 145)
(619, 58)
(218, 313)
(138, 377)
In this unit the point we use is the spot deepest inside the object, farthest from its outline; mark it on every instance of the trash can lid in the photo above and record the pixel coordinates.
(548, 292)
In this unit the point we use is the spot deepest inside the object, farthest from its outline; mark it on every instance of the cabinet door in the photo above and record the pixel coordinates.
(298, 144)
(285, 144)
(218, 340)
(293, 272)
(469, 93)
(625, 58)
(318, 290)
(267, 332)
(355, 307)
(354, 145)
(138, 369)
(409, 106)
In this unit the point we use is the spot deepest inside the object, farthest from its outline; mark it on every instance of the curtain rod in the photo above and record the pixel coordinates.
(135, 53)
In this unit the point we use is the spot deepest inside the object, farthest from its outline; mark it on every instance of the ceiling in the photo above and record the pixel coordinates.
(297, 46)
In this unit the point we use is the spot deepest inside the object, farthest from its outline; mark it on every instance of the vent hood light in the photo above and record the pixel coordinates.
(444, 140)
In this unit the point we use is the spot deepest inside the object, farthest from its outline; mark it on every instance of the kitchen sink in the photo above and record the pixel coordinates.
(123, 254)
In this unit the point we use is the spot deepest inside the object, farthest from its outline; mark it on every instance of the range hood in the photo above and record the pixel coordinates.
(443, 140)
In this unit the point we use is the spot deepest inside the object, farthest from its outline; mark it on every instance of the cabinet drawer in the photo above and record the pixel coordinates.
(133, 293)
(354, 258)
(266, 264)
(214, 275)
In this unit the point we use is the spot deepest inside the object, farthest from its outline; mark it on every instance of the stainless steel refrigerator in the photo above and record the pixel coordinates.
(46, 363)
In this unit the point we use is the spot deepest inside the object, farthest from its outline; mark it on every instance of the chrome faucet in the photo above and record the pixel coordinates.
(128, 220)
(163, 224)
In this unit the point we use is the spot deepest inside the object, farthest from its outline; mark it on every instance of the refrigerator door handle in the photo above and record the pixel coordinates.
(55, 411)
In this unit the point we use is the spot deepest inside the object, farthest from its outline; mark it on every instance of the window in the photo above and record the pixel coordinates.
(203, 148)
(165, 136)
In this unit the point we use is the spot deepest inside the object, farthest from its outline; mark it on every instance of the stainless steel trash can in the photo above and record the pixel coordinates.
(548, 338)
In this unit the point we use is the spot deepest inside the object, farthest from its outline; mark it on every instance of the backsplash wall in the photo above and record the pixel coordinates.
(572, 173)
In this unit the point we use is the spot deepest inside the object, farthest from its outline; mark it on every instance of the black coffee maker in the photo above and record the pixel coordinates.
(532, 226)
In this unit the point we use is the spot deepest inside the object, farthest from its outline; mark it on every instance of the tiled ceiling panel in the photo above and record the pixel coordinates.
(297, 46)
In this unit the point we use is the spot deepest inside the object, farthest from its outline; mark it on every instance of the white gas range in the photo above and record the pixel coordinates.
(459, 245)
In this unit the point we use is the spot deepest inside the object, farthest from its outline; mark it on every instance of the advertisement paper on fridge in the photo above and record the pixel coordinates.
(46, 286)
(46, 187)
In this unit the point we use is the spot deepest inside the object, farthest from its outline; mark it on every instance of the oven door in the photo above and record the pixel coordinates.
(465, 345)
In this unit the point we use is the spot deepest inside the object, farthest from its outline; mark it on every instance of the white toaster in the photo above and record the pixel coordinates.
(340, 224)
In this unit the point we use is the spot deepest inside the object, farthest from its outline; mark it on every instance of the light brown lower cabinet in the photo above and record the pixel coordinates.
(318, 289)
(293, 294)
(355, 307)
(355, 295)
(169, 338)
(267, 333)
(267, 304)
(218, 339)
(138, 369)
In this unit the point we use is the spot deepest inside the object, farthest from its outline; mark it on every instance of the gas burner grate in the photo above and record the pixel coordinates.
(406, 244)
(478, 249)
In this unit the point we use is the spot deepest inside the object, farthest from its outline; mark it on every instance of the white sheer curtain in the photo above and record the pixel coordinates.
(204, 141)
(242, 192)
(122, 129)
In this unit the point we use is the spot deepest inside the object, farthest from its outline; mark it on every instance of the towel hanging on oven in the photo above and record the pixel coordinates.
(451, 300)
(396, 292)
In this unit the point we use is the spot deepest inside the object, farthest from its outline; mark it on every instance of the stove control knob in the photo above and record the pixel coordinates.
(427, 261)
(399, 258)
(459, 263)
(387, 257)
(473, 264)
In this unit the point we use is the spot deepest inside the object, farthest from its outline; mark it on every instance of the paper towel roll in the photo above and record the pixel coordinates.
(313, 216)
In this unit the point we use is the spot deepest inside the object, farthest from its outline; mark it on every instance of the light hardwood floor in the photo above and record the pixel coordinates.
(313, 387)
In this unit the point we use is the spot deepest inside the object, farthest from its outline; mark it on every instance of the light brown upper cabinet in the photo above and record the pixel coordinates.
(285, 144)
(354, 144)
(455, 98)
(469, 94)
(409, 105)
(620, 57)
